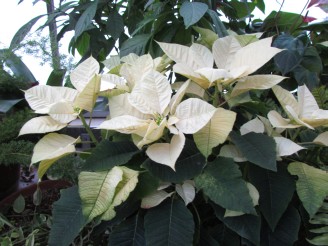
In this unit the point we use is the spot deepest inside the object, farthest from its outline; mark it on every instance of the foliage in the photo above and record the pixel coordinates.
(230, 150)
(16, 152)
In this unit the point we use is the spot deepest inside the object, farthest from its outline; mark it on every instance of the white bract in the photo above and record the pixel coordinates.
(303, 111)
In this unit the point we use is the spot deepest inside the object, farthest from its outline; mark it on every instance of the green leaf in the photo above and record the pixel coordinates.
(192, 12)
(319, 240)
(86, 18)
(170, 223)
(108, 154)
(189, 164)
(218, 25)
(147, 184)
(68, 219)
(97, 191)
(247, 226)
(257, 148)
(311, 60)
(222, 182)
(136, 44)
(56, 77)
(22, 32)
(6, 105)
(129, 232)
(276, 191)
(243, 9)
(311, 186)
(305, 76)
(286, 232)
(115, 24)
(19, 204)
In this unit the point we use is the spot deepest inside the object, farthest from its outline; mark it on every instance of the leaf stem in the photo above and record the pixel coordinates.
(87, 128)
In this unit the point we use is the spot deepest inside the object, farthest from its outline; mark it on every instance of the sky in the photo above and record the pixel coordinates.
(13, 16)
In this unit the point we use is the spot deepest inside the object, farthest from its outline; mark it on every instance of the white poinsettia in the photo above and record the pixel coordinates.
(303, 111)
(233, 63)
(63, 104)
(150, 108)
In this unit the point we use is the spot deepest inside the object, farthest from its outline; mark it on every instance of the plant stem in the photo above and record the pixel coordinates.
(87, 128)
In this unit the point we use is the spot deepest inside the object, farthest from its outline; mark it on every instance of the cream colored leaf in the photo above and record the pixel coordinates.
(41, 97)
(231, 151)
(84, 72)
(189, 72)
(213, 75)
(247, 39)
(97, 190)
(152, 94)
(42, 124)
(258, 82)
(254, 55)
(294, 117)
(186, 191)
(122, 191)
(111, 81)
(286, 98)
(126, 124)
(176, 99)
(286, 146)
(154, 199)
(224, 49)
(254, 125)
(53, 145)
(167, 153)
(112, 62)
(215, 132)
(322, 139)
(278, 121)
(154, 132)
(62, 112)
(307, 102)
(193, 115)
(46, 164)
(130, 58)
(119, 105)
(88, 96)
(200, 55)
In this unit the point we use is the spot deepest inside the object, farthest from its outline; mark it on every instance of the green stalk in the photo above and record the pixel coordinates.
(87, 128)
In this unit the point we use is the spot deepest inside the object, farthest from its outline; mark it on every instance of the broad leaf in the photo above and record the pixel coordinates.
(254, 125)
(97, 190)
(68, 218)
(122, 191)
(42, 97)
(84, 72)
(287, 231)
(186, 191)
(167, 153)
(215, 132)
(108, 154)
(307, 102)
(86, 18)
(136, 45)
(154, 199)
(257, 148)
(222, 182)
(41, 124)
(257, 82)
(286, 98)
(276, 191)
(189, 164)
(286, 147)
(192, 12)
(247, 226)
(193, 115)
(115, 24)
(152, 94)
(311, 186)
(129, 232)
(6, 105)
(322, 139)
(163, 224)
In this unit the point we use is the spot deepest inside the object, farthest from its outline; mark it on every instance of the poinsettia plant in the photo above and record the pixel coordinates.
(200, 146)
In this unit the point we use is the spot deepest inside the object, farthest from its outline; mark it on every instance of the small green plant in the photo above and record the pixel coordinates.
(16, 152)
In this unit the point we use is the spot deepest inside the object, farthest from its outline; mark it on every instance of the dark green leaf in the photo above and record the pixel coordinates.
(129, 232)
(206, 239)
(247, 226)
(192, 12)
(276, 191)
(189, 164)
(147, 184)
(218, 25)
(136, 44)
(222, 182)
(108, 154)
(19, 204)
(86, 18)
(285, 21)
(170, 223)
(243, 9)
(115, 25)
(56, 77)
(286, 232)
(305, 76)
(22, 32)
(68, 219)
(6, 105)
(257, 148)
(311, 60)
(82, 44)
